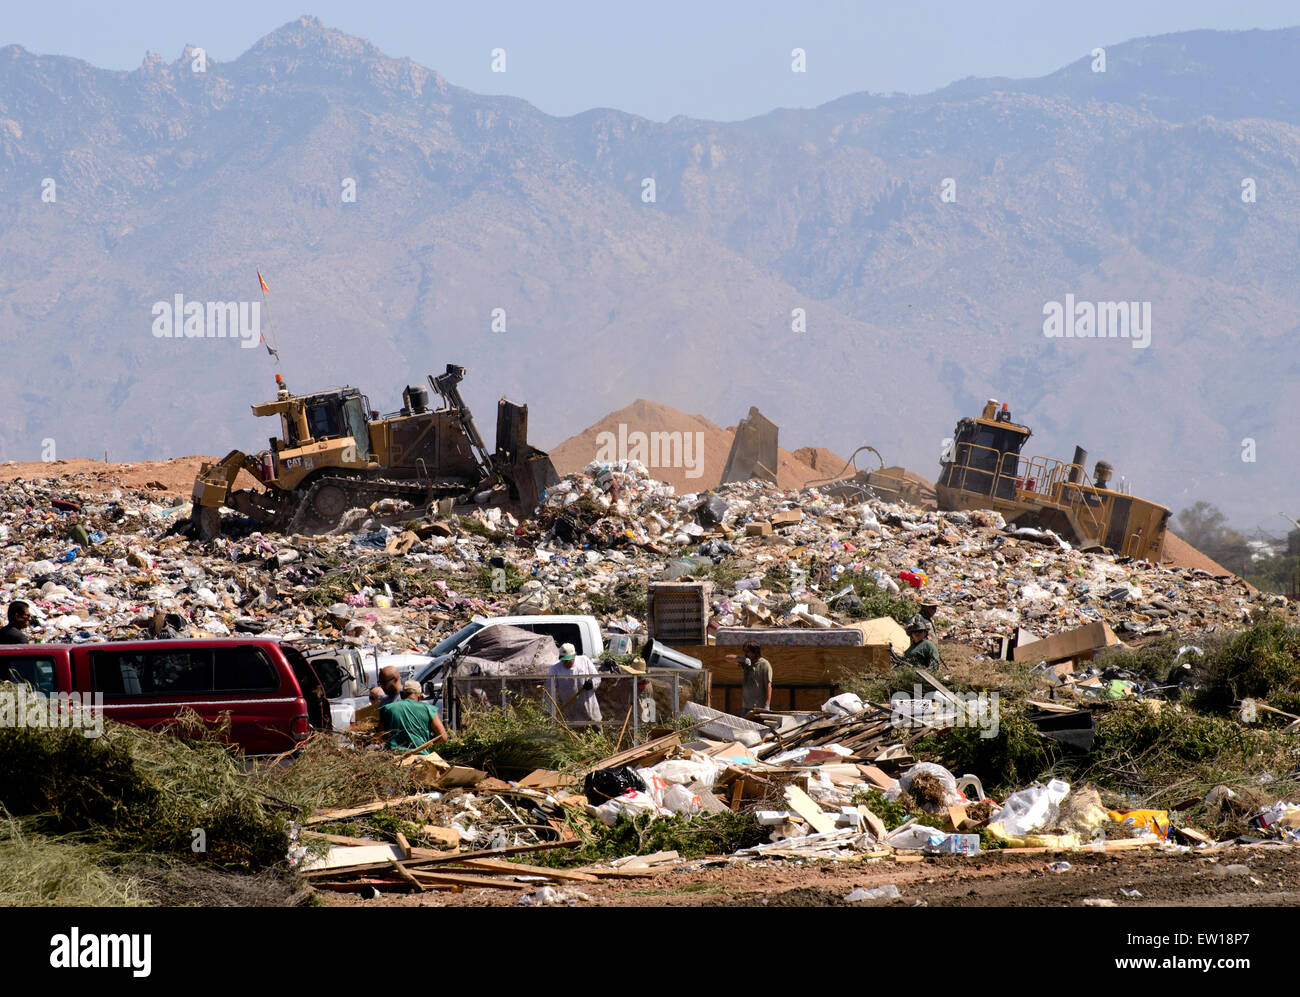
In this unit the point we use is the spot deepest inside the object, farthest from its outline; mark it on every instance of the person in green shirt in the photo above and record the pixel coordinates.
(923, 653)
(409, 723)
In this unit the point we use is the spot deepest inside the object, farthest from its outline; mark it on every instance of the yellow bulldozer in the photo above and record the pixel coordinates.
(334, 454)
(982, 468)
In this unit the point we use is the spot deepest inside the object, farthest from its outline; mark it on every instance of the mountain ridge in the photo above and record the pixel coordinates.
(1115, 186)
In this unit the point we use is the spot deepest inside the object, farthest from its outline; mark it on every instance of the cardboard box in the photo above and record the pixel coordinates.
(1073, 644)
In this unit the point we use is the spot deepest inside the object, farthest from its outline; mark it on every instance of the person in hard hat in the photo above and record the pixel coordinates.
(923, 653)
(634, 691)
(573, 688)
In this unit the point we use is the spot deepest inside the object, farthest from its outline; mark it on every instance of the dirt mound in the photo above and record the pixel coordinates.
(1181, 554)
(687, 451)
(175, 475)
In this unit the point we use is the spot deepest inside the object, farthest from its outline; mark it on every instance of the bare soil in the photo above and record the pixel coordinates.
(1163, 878)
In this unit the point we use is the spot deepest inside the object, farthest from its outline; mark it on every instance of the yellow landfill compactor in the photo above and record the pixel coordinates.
(982, 468)
(334, 454)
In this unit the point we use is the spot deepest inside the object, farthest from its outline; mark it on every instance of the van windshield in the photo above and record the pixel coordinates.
(455, 640)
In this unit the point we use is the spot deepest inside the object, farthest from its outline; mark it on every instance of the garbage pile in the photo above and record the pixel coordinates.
(111, 565)
(835, 784)
(986, 577)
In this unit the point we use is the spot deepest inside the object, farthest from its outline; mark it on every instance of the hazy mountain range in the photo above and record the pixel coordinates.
(1123, 185)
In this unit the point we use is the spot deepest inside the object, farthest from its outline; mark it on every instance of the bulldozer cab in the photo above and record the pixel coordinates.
(326, 416)
(984, 457)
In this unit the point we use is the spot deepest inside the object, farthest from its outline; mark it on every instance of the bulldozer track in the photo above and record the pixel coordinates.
(314, 514)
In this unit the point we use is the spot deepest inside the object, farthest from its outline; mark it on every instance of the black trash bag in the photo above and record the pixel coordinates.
(716, 550)
(1072, 730)
(711, 511)
(606, 784)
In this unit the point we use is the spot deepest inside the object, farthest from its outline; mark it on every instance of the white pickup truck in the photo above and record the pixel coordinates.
(583, 632)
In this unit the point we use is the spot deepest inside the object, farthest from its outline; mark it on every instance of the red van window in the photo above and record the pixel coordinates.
(151, 673)
(243, 669)
(34, 670)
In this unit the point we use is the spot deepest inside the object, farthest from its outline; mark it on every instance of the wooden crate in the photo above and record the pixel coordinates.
(802, 677)
(678, 612)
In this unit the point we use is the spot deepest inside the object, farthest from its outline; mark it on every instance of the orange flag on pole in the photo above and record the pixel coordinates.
(265, 289)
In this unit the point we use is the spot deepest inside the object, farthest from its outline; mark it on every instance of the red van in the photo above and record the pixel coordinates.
(269, 689)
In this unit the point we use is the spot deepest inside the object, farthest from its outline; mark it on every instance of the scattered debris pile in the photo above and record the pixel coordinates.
(103, 565)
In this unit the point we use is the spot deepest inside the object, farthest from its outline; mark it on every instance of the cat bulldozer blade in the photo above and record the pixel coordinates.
(335, 454)
(982, 468)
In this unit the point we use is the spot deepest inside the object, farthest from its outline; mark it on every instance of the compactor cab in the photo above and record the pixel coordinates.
(982, 467)
(983, 456)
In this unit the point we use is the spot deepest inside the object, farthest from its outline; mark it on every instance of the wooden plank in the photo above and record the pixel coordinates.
(410, 880)
(378, 868)
(1272, 709)
(403, 844)
(498, 852)
(641, 752)
(464, 879)
(328, 815)
(876, 777)
(341, 839)
(519, 869)
(938, 686)
(1047, 707)
(424, 857)
(619, 873)
(357, 885)
(804, 805)
(345, 856)
(647, 861)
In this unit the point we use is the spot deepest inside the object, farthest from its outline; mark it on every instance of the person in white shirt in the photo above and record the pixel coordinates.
(573, 688)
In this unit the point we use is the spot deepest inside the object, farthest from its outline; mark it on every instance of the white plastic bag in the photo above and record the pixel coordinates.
(952, 796)
(630, 804)
(696, 768)
(916, 837)
(681, 801)
(1029, 809)
(843, 704)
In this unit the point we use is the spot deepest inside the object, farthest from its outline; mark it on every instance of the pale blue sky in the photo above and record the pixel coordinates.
(721, 60)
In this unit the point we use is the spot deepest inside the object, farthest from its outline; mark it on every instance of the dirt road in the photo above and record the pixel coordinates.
(1255, 876)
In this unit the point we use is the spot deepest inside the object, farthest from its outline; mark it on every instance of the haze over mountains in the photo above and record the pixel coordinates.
(1123, 185)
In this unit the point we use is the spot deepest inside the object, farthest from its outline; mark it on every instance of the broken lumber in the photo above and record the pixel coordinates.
(641, 753)
(464, 879)
(496, 853)
(804, 805)
(326, 816)
(411, 881)
(519, 869)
